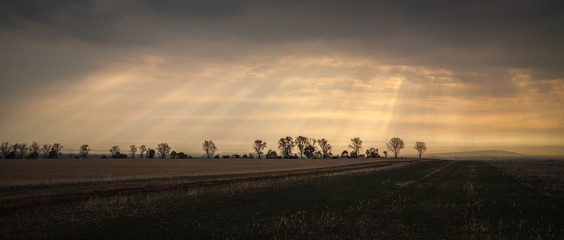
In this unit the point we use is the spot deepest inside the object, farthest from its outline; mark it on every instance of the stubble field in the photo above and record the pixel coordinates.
(430, 199)
(49, 171)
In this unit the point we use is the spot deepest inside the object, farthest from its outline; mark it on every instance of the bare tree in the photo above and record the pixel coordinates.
(34, 149)
(115, 151)
(302, 142)
(258, 146)
(286, 145)
(45, 150)
(15, 149)
(356, 145)
(56, 150)
(317, 154)
(421, 147)
(325, 147)
(133, 150)
(22, 148)
(84, 150)
(209, 147)
(395, 145)
(163, 149)
(5, 148)
(142, 150)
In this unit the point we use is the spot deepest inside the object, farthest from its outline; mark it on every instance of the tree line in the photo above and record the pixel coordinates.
(306, 148)
(31, 151)
(320, 148)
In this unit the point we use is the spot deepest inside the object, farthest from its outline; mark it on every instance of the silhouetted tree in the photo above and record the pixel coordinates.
(356, 145)
(313, 142)
(421, 147)
(318, 154)
(286, 145)
(271, 154)
(309, 151)
(173, 155)
(45, 150)
(258, 146)
(21, 148)
(12, 154)
(372, 153)
(302, 142)
(142, 150)
(84, 150)
(5, 148)
(345, 154)
(385, 154)
(15, 150)
(325, 147)
(163, 149)
(115, 151)
(133, 150)
(56, 150)
(34, 149)
(395, 145)
(209, 148)
(151, 153)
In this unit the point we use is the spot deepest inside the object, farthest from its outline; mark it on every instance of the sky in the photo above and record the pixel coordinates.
(458, 75)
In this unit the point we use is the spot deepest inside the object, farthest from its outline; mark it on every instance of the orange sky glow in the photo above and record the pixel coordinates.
(145, 79)
(147, 100)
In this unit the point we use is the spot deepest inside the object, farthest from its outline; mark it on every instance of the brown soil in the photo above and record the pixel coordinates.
(22, 197)
(15, 172)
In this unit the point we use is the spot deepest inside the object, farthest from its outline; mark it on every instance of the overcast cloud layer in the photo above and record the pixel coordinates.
(453, 73)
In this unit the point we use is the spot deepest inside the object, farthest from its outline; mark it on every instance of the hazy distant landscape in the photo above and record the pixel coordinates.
(243, 119)
(301, 191)
(493, 155)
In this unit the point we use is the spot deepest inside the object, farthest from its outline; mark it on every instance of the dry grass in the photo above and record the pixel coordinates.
(50, 171)
(416, 200)
(121, 204)
(16, 197)
(546, 177)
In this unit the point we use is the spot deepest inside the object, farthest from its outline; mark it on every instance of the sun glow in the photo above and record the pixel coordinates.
(152, 99)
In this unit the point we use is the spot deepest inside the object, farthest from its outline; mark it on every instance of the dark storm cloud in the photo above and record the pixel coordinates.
(457, 23)
(465, 35)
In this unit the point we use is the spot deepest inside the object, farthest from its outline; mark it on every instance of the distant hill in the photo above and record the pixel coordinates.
(481, 153)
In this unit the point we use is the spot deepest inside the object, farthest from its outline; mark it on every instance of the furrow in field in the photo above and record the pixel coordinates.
(24, 198)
